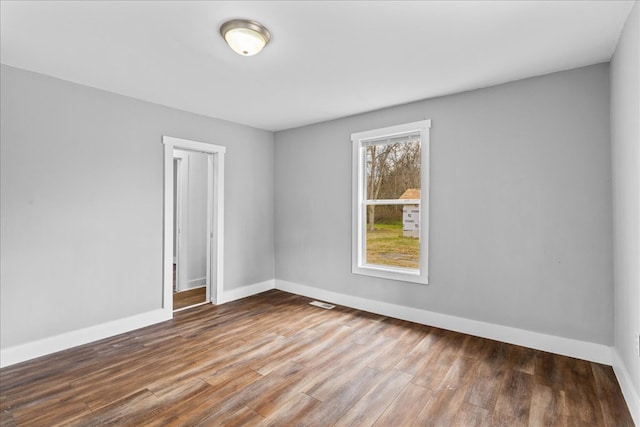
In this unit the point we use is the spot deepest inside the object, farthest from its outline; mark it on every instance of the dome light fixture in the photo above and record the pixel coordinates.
(245, 37)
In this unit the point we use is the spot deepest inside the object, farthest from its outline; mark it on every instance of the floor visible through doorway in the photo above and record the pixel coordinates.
(186, 298)
(191, 297)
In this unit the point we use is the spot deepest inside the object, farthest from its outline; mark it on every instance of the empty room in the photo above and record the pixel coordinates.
(320, 213)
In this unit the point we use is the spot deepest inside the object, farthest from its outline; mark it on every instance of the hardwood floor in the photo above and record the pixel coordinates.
(186, 298)
(274, 360)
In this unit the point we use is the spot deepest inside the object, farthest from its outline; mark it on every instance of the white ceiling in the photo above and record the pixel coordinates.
(327, 59)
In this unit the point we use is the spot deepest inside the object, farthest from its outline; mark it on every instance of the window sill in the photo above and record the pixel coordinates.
(400, 274)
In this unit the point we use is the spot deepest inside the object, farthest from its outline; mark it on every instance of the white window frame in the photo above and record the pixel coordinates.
(358, 250)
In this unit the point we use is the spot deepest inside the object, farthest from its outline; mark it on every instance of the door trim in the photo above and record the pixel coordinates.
(215, 217)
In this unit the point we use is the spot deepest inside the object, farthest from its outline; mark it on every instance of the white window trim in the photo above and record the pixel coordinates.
(358, 237)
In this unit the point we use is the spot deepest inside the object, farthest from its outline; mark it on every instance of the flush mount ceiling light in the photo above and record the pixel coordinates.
(245, 37)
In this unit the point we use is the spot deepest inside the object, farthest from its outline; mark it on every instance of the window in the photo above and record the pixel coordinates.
(390, 202)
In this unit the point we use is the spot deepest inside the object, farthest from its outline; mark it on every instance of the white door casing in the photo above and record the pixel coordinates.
(215, 217)
(182, 223)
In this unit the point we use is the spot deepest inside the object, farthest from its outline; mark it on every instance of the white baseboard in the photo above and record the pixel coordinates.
(31, 350)
(246, 291)
(191, 288)
(626, 385)
(550, 343)
(194, 283)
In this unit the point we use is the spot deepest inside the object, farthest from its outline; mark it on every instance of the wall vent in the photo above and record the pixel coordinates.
(322, 305)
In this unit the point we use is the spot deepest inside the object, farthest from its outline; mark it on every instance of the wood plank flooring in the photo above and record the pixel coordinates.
(187, 298)
(274, 360)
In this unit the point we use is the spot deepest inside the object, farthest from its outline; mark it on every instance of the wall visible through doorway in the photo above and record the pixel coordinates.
(190, 220)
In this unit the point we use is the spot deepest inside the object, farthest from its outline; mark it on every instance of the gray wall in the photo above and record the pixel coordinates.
(81, 204)
(625, 141)
(520, 205)
(520, 210)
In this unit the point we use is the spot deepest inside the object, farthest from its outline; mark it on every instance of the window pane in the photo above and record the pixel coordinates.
(392, 235)
(392, 169)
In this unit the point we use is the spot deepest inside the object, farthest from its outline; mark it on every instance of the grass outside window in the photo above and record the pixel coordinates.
(386, 245)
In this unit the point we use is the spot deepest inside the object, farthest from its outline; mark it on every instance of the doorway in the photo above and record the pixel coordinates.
(193, 224)
(190, 209)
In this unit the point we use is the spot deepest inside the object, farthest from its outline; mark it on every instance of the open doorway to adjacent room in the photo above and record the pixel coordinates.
(190, 228)
(193, 223)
